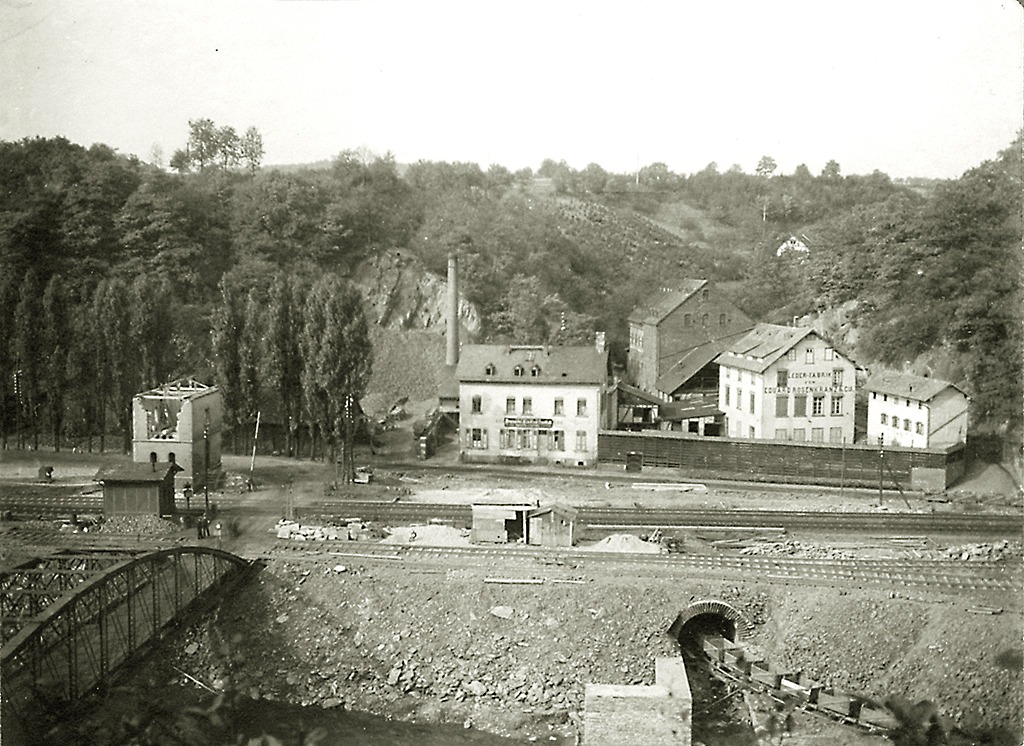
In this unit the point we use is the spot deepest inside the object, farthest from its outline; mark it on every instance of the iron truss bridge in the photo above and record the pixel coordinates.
(70, 618)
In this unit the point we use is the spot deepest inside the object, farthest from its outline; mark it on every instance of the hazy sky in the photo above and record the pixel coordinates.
(910, 87)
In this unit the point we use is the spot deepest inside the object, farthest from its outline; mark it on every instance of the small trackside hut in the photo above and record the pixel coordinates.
(551, 526)
(500, 520)
(138, 489)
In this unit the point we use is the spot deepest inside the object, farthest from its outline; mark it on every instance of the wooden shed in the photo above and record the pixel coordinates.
(138, 489)
(500, 521)
(551, 526)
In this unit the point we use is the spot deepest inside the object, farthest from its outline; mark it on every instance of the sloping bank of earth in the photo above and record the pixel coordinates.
(441, 645)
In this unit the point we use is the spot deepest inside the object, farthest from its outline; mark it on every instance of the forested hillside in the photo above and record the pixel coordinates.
(116, 275)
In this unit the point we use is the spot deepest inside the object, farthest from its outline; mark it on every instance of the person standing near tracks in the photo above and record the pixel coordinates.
(199, 527)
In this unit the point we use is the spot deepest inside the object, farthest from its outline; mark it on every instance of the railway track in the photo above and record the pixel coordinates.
(669, 518)
(945, 575)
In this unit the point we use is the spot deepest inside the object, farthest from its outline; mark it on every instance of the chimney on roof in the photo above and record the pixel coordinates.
(152, 461)
(452, 322)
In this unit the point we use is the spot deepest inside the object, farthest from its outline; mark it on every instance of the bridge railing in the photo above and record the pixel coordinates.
(74, 644)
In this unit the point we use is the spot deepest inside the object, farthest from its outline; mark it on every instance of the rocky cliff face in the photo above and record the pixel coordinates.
(401, 294)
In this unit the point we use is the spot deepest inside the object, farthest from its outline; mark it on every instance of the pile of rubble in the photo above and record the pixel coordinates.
(791, 548)
(987, 552)
(351, 531)
(149, 525)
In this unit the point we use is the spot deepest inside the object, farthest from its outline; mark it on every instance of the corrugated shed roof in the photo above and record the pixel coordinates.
(565, 511)
(908, 386)
(665, 302)
(136, 472)
(762, 346)
(539, 364)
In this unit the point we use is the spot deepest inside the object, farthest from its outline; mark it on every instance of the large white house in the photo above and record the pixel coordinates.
(917, 412)
(533, 404)
(787, 383)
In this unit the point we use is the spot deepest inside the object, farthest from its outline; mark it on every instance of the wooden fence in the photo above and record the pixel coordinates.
(784, 461)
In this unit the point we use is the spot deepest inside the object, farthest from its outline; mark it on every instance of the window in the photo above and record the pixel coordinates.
(809, 355)
(818, 405)
(721, 319)
(829, 353)
(518, 371)
(505, 439)
(527, 405)
(753, 432)
(727, 392)
(885, 397)
(817, 435)
(837, 378)
(791, 354)
(686, 319)
(781, 434)
(837, 405)
(874, 395)
(800, 405)
(581, 407)
(535, 371)
(799, 433)
(919, 428)
(739, 398)
(885, 418)
(728, 372)
(906, 424)
(581, 440)
(752, 402)
(477, 404)
(704, 320)
(510, 405)
(781, 405)
(835, 435)
(490, 369)
(559, 406)
(558, 440)
(478, 438)
(782, 378)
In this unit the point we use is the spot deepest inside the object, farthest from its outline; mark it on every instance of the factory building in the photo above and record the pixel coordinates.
(787, 383)
(916, 412)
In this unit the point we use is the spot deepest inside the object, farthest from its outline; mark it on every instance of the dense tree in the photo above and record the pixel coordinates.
(56, 339)
(228, 325)
(337, 360)
(29, 357)
(283, 359)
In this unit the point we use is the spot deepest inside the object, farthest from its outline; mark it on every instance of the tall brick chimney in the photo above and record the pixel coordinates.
(451, 332)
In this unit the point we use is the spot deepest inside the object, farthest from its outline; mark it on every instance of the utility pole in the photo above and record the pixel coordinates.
(881, 459)
(206, 461)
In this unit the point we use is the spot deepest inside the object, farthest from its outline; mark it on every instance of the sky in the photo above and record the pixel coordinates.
(927, 88)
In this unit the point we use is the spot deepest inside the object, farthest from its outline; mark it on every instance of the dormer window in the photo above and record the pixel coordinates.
(490, 369)
(535, 371)
(518, 371)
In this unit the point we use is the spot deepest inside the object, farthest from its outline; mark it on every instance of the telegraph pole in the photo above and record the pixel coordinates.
(881, 459)
(206, 462)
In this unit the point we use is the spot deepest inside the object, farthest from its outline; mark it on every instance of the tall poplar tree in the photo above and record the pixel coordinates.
(28, 357)
(282, 357)
(56, 338)
(337, 360)
(228, 323)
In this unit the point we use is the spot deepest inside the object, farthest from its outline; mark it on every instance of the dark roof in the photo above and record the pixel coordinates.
(692, 361)
(640, 394)
(665, 302)
(584, 364)
(762, 346)
(705, 405)
(137, 472)
(908, 386)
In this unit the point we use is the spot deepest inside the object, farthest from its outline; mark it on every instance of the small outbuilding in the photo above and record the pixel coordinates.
(551, 526)
(138, 489)
(500, 520)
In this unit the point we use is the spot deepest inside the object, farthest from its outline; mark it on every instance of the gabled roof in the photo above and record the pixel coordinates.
(664, 303)
(565, 511)
(762, 346)
(540, 364)
(137, 472)
(908, 386)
